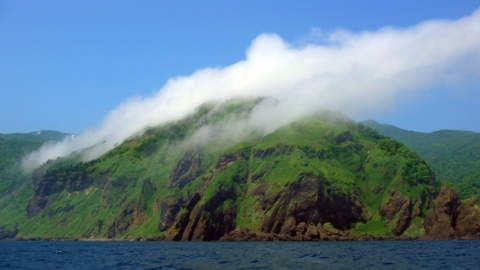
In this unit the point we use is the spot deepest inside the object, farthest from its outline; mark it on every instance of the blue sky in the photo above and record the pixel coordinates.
(64, 65)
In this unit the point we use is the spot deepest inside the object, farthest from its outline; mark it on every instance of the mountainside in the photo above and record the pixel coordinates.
(453, 155)
(320, 177)
(12, 148)
(14, 184)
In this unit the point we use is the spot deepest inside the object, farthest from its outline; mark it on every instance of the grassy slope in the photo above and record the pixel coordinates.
(128, 181)
(15, 186)
(453, 155)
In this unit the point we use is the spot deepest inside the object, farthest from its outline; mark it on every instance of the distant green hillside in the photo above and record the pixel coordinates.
(37, 136)
(453, 155)
(315, 174)
(15, 146)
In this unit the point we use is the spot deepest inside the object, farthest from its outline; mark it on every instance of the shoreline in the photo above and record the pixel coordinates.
(237, 238)
(306, 233)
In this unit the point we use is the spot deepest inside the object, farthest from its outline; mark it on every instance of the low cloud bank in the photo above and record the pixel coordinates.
(355, 73)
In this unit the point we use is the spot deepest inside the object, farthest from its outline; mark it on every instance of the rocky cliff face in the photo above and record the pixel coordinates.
(449, 218)
(289, 214)
(305, 201)
(401, 209)
(8, 234)
(186, 170)
(47, 189)
(202, 221)
(254, 201)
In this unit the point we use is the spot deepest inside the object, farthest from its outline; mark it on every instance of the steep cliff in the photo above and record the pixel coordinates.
(451, 218)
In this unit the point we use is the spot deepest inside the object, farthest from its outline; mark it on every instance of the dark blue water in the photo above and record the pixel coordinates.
(245, 255)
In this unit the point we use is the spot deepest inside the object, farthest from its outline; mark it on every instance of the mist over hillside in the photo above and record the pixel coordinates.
(360, 74)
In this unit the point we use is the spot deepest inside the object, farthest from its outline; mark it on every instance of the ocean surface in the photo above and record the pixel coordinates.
(241, 255)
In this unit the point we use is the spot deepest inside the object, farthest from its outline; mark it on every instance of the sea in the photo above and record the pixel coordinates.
(240, 255)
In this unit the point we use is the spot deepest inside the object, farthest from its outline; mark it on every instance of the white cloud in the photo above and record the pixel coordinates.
(352, 72)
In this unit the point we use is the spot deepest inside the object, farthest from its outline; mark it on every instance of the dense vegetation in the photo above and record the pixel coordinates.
(453, 155)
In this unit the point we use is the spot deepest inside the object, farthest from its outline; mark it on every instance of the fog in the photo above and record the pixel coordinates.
(360, 73)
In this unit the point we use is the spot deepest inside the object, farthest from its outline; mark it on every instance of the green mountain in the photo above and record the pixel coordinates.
(453, 155)
(39, 136)
(321, 177)
(12, 148)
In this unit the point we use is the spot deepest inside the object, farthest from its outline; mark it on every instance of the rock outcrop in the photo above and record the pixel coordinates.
(8, 234)
(302, 232)
(450, 219)
(305, 202)
(49, 186)
(132, 215)
(468, 220)
(186, 170)
(401, 209)
(295, 213)
(311, 233)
